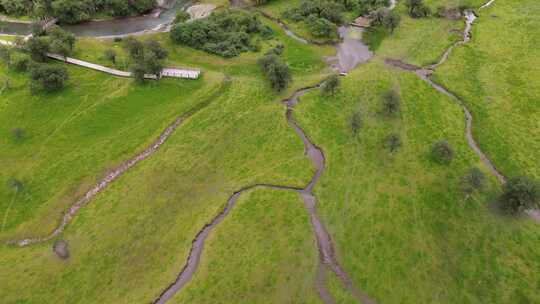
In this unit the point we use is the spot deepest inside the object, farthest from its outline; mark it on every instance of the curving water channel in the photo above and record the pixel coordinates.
(327, 259)
(116, 27)
(425, 74)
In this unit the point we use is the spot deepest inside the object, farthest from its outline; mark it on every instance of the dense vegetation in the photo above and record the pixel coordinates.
(226, 33)
(74, 11)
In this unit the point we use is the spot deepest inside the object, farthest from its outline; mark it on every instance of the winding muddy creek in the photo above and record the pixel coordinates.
(327, 259)
(425, 74)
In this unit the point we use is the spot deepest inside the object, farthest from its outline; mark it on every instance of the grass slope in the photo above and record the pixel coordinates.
(264, 252)
(399, 221)
(497, 76)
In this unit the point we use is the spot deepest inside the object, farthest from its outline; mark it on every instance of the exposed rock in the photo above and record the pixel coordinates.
(60, 247)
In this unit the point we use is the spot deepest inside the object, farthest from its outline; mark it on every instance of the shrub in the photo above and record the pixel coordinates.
(391, 102)
(38, 48)
(18, 134)
(48, 78)
(110, 55)
(392, 142)
(330, 85)
(442, 152)
(181, 16)
(472, 181)
(417, 9)
(20, 62)
(520, 194)
(356, 123)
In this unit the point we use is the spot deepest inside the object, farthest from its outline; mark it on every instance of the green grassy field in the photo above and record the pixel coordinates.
(402, 228)
(399, 220)
(133, 239)
(264, 252)
(498, 78)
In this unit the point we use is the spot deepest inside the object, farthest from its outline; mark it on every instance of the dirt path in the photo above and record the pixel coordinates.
(425, 74)
(118, 171)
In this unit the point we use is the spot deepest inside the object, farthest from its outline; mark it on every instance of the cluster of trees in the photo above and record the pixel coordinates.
(75, 11)
(31, 56)
(417, 9)
(144, 57)
(386, 18)
(227, 33)
(321, 16)
(276, 71)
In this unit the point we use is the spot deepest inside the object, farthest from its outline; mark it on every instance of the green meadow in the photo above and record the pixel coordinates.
(402, 228)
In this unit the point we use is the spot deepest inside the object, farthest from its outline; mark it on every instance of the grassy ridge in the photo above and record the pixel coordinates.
(498, 78)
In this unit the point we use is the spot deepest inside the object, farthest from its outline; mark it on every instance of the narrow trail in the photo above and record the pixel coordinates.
(327, 258)
(425, 75)
(119, 171)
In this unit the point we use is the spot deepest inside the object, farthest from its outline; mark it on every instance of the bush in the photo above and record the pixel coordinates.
(356, 123)
(320, 27)
(391, 102)
(276, 71)
(442, 152)
(48, 78)
(18, 134)
(392, 142)
(472, 181)
(520, 194)
(110, 55)
(38, 48)
(417, 9)
(330, 85)
(181, 16)
(20, 62)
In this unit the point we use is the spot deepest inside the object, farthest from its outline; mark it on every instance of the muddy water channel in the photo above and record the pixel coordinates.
(327, 259)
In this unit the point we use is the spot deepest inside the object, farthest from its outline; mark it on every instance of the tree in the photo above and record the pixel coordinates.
(134, 48)
(442, 152)
(48, 78)
(181, 16)
(5, 54)
(20, 62)
(276, 71)
(472, 181)
(110, 55)
(391, 21)
(392, 142)
(38, 48)
(330, 85)
(417, 9)
(153, 65)
(391, 102)
(321, 27)
(519, 194)
(138, 72)
(155, 47)
(64, 39)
